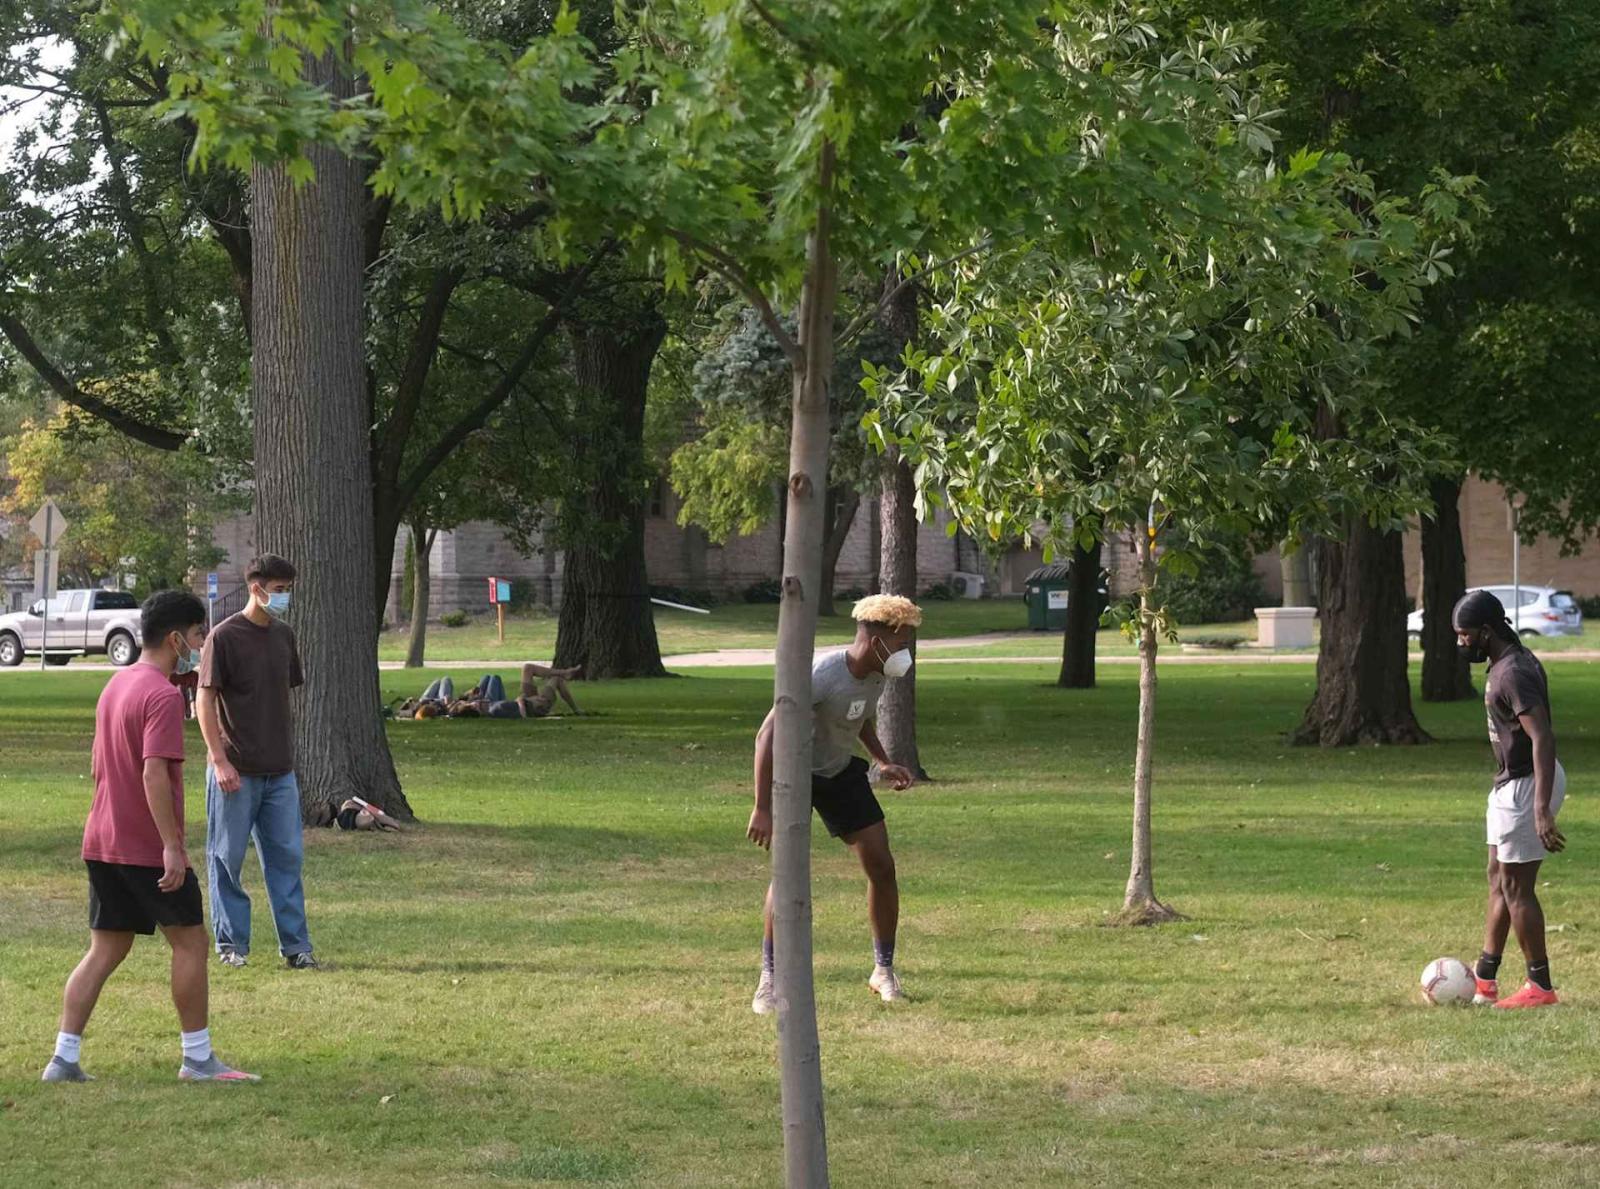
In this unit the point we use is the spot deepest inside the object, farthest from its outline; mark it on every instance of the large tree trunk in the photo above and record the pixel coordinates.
(312, 474)
(422, 538)
(606, 622)
(1363, 689)
(799, 1051)
(840, 516)
(1139, 903)
(1446, 676)
(1083, 618)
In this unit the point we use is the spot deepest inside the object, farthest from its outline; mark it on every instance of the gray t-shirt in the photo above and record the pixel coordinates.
(841, 704)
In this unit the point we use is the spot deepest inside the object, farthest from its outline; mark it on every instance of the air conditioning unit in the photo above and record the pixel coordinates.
(968, 586)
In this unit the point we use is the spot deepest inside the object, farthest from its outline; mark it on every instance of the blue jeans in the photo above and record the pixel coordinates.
(266, 808)
(492, 688)
(440, 690)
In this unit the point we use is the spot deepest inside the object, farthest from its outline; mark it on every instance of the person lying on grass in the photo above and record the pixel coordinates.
(541, 686)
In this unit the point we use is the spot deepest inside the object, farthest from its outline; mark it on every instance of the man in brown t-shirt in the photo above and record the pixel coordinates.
(249, 666)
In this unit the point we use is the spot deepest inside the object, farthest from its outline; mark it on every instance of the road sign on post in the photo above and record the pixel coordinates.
(211, 600)
(49, 526)
(499, 596)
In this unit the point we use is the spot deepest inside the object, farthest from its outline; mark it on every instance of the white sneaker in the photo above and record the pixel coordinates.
(766, 998)
(886, 984)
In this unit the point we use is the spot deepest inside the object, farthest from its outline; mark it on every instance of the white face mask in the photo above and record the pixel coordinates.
(897, 664)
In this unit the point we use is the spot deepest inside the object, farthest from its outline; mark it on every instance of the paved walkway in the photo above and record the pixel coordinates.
(927, 654)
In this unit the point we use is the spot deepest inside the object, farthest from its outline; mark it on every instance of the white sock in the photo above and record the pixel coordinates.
(68, 1046)
(197, 1045)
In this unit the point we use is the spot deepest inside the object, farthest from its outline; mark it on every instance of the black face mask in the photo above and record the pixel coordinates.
(1475, 653)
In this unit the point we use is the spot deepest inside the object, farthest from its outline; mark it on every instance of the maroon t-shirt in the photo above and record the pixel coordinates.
(252, 669)
(140, 717)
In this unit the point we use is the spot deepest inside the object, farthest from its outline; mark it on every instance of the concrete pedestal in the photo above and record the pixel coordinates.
(1286, 627)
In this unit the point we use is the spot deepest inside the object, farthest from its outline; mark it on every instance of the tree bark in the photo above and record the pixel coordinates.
(1363, 689)
(422, 538)
(312, 470)
(1446, 676)
(897, 542)
(1139, 903)
(799, 1051)
(897, 575)
(840, 516)
(606, 622)
(1083, 618)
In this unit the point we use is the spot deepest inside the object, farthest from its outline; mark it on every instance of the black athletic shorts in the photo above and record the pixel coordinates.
(125, 899)
(846, 802)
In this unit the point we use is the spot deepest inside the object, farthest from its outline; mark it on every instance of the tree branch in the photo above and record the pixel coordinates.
(476, 417)
(396, 432)
(728, 268)
(132, 227)
(150, 435)
(861, 320)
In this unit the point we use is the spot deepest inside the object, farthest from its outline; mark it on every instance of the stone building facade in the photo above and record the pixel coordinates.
(463, 560)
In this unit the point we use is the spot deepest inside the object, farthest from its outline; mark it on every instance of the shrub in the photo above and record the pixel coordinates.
(939, 592)
(1589, 605)
(1226, 643)
(687, 596)
(854, 595)
(1226, 590)
(768, 590)
(454, 619)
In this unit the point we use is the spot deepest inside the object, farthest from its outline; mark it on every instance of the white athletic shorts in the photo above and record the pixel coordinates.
(1510, 819)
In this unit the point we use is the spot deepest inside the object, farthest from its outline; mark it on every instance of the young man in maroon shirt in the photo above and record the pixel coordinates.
(133, 843)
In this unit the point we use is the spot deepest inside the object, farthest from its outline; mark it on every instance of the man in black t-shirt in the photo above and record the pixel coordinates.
(1529, 786)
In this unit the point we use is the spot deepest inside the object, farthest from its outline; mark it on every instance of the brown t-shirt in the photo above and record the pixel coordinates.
(253, 668)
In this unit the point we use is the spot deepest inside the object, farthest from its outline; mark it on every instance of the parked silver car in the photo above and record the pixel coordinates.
(74, 623)
(1545, 611)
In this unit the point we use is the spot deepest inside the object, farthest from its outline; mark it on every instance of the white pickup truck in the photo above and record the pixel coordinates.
(74, 623)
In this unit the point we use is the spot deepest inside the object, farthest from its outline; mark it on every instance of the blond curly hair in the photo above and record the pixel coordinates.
(892, 611)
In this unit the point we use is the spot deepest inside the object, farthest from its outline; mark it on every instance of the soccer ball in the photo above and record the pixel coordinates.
(1447, 980)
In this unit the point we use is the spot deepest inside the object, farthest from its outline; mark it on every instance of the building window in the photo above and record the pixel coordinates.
(658, 499)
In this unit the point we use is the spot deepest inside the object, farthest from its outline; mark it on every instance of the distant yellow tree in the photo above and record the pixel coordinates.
(138, 516)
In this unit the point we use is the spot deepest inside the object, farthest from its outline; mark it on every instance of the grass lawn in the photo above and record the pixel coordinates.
(550, 983)
(531, 634)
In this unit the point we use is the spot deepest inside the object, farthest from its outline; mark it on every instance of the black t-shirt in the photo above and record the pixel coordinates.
(1517, 684)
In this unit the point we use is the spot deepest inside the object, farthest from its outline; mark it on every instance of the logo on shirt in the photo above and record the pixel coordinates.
(857, 709)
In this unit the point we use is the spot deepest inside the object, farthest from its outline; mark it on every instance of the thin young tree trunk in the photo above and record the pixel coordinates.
(1083, 618)
(799, 1051)
(422, 539)
(840, 516)
(606, 622)
(1446, 677)
(313, 481)
(1139, 903)
(897, 543)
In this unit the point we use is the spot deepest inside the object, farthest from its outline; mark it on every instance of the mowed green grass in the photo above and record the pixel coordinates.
(549, 984)
(531, 634)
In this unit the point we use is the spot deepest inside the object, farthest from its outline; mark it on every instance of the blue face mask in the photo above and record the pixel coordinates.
(188, 658)
(278, 602)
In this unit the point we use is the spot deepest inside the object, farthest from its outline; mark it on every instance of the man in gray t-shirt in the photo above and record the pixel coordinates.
(845, 687)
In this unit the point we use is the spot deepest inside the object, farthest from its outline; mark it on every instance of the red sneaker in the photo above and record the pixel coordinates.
(1531, 995)
(1488, 992)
